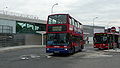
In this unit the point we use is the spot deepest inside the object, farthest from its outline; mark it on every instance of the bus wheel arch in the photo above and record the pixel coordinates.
(72, 50)
(82, 46)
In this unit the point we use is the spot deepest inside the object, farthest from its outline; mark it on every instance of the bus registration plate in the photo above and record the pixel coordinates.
(56, 51)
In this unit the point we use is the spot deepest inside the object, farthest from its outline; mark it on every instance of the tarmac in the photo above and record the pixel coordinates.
(3, 49)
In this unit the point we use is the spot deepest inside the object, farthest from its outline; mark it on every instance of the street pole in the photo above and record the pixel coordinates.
(53, 7)
(42, 34)
(42, 39)
(119, 37)
(94, 24)
(5, 5)
(93, 28)
(119, 30)
(108, 36)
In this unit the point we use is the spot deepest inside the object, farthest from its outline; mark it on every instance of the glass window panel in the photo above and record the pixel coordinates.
(70, 20)
(57, 19)
(73, 21)
(57, 39)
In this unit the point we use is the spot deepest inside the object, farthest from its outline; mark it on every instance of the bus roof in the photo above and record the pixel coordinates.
(108, 33)
(66, 14)
(58, 14)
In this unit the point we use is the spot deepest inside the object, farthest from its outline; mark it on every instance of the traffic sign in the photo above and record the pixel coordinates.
(113, 29)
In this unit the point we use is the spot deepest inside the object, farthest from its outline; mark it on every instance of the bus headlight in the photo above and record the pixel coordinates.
(66, 49)
(47, 48)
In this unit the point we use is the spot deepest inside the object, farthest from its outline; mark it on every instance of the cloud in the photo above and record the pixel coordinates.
(82, 10)
(105, 10)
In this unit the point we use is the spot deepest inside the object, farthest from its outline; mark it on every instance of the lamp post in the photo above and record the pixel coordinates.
(108, 29)
(94, 24)
(5, 5)
(119, 30)
(53, 7)
(93, 28)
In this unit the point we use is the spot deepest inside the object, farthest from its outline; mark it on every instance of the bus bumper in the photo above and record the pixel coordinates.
(101, 46)
(57, 50)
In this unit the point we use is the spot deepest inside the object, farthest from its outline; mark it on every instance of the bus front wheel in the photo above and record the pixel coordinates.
(72, 50)
(82, 46)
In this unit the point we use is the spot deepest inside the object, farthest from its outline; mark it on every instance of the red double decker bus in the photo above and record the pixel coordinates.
(106, 40)
(64, 34)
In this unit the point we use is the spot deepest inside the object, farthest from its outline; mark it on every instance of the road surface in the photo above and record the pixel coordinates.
(37, 58)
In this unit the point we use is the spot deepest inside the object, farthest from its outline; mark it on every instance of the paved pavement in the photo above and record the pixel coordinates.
(113, 50)
(3, 49)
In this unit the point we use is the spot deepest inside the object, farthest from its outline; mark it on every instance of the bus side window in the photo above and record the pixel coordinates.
(78, 24)
(73, 22)
(70, 21)
(50, 21)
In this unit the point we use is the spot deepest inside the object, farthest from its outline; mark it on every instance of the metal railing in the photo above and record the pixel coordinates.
(18, 14)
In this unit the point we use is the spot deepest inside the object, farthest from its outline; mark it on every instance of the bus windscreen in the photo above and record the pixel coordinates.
(100, 38)
(57, 19)
(57, 39)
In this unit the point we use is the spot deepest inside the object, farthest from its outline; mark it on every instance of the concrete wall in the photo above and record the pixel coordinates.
(28, 39)
(19, 39)
(32, 39)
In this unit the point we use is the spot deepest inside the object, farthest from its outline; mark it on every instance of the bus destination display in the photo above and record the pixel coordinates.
(57, 28)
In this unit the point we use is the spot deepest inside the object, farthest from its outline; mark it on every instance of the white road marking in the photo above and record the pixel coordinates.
(112, 50)
(96, 55)
(49, 56)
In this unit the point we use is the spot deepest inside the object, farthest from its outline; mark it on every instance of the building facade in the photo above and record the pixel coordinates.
(90, 30)
(22, 29)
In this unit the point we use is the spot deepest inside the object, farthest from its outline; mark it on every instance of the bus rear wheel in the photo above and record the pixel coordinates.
(72, 50)
(100, 48)
(82, 46)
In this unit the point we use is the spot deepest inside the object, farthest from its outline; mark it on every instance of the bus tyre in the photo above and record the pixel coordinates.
(82, 46)
(55, 53)
(80, 49)
(100, 48)
(72, 50)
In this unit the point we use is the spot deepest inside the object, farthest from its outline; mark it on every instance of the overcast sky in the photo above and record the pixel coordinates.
(107, 11)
